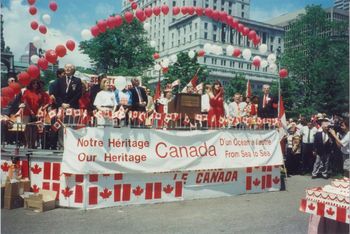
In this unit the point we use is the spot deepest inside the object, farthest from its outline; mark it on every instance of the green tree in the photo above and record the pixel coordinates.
(316, 56)
(184, 69)
(120, 51)
(47, 77)
(237, 84)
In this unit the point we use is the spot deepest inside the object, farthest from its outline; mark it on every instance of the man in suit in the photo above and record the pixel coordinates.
(69, 89)
(322, 149)
(138, 96)
(267, 106)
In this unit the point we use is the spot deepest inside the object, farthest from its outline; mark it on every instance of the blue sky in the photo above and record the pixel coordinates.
(73, 16)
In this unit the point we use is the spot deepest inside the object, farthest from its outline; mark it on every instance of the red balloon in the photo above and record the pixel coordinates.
(51, 56)
(32, 10)
(4, 101)
(208, 12)
(190, 10)
(43, 63)
(140, 15)
(199, 11)
(128, 17)
(245, 31)
(156, 11)
(165, 9)
(165, 70)
(61, 51)
(222, 16)
(53, 6)
(240, 28)
(102, 25)
(33, 71)
(234, 24)
(70, 44)
(256, 40)
(176, 10)
(184, 10)
(156, 56)
(200, 53)
(31, 2)
(23, 78)
(256, 62)
(16, 87)
(215, 15)
(111, 22)
(283, 73)
(134, 5)
(34, 25)
(229, 19)
(251, 34)
(236, 52)
(8, 92)
(118, 20)
(148, 12)
(95, 31)
(43, 29)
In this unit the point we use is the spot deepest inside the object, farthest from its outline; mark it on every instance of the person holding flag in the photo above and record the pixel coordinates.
(216, 101)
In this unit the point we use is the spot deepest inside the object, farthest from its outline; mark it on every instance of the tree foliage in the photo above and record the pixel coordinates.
(316, 56)
(237, 84)
(120, 51)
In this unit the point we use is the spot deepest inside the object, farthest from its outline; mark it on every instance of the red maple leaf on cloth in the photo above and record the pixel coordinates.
(5, 167)
(311, 206)
(106, 193)
(137, 191)
(276, 180)
(67, 192)
(330, 211)
(256, 182)
(36, 169)
(168, 189)
(35, 188)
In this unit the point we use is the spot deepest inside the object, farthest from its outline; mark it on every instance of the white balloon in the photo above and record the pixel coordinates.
(173, 58)
(157, 67)
(264, 63)
(263, 48)
(147, 26)
(120, 82)
(165, 62)
(86, 34)
(37, 42)
(46, 19)
(34, 58)
(153, 43)
(191, 54)
(218, 50)
(246, 54)
(229, 50)
(271, 58)
(207, 48)
(272, 67)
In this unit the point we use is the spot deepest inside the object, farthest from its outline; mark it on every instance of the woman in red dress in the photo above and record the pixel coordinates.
(216, 102)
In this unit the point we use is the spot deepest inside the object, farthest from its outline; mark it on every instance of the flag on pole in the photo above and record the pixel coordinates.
(175, 83)
(192, 83)
(248, 92)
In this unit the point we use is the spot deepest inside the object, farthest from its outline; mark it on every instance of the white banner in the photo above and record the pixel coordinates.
(111, 150)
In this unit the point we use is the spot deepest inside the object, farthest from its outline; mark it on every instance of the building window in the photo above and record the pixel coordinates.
(242, 6)
(214, 37)
(271, 48)
(205, 35)
(190, 38)
(215, 27)
(205, 59)
(184, 40)
(195, 26)
(178, 42)
(242, 14)
(174, 3)
(194, 3)
(279, 40)
(205, 25)
(272, 39)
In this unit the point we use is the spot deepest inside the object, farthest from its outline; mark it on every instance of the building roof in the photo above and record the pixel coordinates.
(284, 19)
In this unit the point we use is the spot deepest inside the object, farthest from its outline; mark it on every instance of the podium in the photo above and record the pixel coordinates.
(186, 103)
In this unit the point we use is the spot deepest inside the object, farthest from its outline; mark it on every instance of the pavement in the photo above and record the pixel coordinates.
(271, 212)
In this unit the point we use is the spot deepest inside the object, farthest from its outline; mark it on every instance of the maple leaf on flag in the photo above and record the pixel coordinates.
(67, 192)
(167, 118)
(85, 113)
(137, 191)
(77, 112)
(52, 113)
(186, 120)
(311, 206)
(157, 116)
(259, 121)
(5, 167)
(35, 188)
(142, 117)
(135, 115)
(204, 117)
(330, 211)
(36, 169)
(56, 126)
(276, 180)
(60, 113)
(69, 111)
(106, 193)
(256, 182)
(175, 116)
(222, 120)
(168, 189)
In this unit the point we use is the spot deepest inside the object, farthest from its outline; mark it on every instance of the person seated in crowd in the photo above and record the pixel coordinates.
(216, 101)
(139, 96)
(293, 154)
(267, 107)
(105, 102)
(69, 89)
(33, 98)
(308, 159)
(124, 99)
(236, 108)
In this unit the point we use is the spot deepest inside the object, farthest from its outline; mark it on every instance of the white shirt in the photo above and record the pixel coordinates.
(345, 141)
(105, 98)
(236, 110)
(304, 131)
(205, 103)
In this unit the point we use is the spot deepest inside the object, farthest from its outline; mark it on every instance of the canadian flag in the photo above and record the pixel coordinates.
(198, 117)
(60, 113)
(204, 117)
(40, 113)
(175, 116)
(193, 82)
(135, 115)
(248, 92)
(69, 112)
(222, 121)
(157, 116)
(186, 120)
(52, 113)
(199, 88)
(120, 114)
(142, 117)
(56, 126)
(77, 112)
(175, 83)
(167, 118)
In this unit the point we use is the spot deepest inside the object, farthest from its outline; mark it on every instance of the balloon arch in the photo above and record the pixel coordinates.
(116, 21)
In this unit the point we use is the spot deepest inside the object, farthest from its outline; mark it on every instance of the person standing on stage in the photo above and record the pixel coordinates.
(105, 102)
(139, 96)
(216, 101)
(267, 107)
(96, 87)
(236, 108)
(308, 159)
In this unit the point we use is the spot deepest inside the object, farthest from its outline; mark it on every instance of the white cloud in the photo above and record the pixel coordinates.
(18, 33)
(261, 14)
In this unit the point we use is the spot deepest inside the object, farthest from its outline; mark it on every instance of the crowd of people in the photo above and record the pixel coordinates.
(308, 146)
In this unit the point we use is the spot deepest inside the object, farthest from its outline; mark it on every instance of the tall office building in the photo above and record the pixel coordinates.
(174, 34)
(342, 4)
